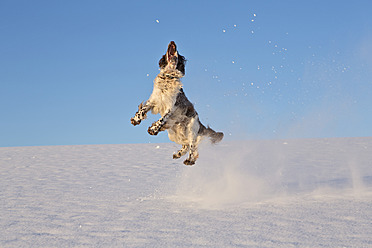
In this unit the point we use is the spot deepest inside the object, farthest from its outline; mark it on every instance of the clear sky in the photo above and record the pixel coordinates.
(73, 72)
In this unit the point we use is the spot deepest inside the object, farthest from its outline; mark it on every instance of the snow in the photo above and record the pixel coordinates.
(275, 193)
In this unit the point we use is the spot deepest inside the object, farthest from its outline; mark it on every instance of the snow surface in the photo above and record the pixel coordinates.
(281, 193)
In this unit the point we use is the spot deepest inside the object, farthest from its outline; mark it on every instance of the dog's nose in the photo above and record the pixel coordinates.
(172, 44)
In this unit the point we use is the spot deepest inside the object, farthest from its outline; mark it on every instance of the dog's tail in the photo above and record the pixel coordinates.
(209, 132)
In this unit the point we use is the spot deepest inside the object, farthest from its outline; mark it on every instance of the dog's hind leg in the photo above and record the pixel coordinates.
(193, 155)
(194, 141)
(181, 152)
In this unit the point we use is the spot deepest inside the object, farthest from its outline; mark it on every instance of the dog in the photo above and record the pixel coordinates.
(178, 115)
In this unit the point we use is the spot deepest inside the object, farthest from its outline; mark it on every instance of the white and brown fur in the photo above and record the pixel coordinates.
(178, 114)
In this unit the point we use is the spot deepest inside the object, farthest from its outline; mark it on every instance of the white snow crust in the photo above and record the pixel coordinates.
(277, 193)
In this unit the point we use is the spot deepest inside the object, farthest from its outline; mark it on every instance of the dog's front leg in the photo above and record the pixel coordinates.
(156, 127)
(141, 113)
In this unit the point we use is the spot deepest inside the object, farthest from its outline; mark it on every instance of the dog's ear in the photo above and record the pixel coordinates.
(181, 64)
(163, 62)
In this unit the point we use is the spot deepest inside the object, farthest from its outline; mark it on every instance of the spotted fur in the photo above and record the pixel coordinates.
(178, 115)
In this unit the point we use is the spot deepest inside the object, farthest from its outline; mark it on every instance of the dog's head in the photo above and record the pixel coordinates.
(172, 59)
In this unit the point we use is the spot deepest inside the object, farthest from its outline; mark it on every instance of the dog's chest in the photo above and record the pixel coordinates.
(165, 93)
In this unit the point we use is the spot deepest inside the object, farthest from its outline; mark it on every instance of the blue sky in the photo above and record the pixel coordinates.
(73, 72)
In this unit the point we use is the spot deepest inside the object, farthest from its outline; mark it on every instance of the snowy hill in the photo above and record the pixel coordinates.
(281, 193)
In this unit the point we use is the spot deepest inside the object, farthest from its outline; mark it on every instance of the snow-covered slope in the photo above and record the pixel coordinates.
(282, 193)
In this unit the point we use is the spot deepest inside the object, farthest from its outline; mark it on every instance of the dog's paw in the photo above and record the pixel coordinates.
(153, 130)
(189, 162)
(176, 155)
(135, 122)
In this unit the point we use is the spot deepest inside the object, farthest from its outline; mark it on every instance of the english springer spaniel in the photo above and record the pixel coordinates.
(178, 114)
